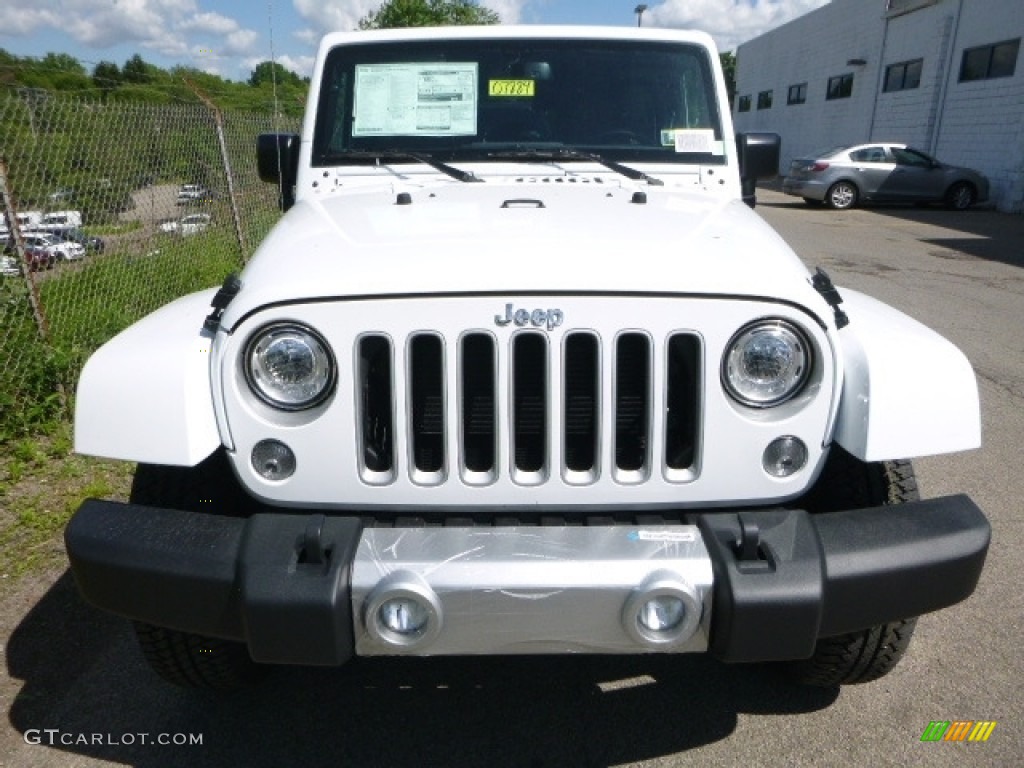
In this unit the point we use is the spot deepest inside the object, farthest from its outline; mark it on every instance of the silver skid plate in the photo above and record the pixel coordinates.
(522, 590)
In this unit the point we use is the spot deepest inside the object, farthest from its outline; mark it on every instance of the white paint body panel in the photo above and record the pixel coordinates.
(145, 394)
(908, 391)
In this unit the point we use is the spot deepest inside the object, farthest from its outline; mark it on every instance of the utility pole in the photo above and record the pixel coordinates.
(639, 11)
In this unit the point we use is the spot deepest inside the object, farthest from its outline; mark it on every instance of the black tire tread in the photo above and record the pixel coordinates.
(857, 657)
(181, 658)
(864, 656)
(193, 661)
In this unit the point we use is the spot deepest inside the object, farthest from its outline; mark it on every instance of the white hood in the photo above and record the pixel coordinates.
(536, 235)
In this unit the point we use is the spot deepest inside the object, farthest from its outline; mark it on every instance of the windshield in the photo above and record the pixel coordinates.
(469, 99)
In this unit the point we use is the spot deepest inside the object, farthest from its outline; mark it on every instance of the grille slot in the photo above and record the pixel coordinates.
(582, 380)
(632, 404)
(376, 405)
(529, 403)
(682, 395)
(426, 396)
(479, 385)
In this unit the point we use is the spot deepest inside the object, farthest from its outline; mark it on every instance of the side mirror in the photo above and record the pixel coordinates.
(277, 160)
(759, 159)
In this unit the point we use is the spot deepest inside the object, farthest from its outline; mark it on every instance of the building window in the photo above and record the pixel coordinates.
(839, 87)
(744, 105)
(797, 94)
(903, 76)
(988, 61)
(764, 100)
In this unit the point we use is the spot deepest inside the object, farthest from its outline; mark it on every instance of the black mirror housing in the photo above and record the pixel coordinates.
(758, 154)
(277, 161)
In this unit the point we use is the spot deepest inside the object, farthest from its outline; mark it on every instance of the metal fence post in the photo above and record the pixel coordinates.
(14, 228)
(229, 179)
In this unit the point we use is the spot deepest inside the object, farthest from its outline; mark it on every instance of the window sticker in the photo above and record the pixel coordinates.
(701, 140)
(511, 87)
(418, 99)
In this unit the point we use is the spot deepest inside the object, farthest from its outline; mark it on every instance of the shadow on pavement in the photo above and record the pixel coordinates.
(978, 232)
(83, 675)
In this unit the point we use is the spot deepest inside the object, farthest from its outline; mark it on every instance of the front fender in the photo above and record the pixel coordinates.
(145, 395)
(907, 391)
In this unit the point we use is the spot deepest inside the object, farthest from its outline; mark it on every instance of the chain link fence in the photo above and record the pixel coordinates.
(110, 211)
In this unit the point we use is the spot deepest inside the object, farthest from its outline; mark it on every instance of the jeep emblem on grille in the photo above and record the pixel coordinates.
(539, 318)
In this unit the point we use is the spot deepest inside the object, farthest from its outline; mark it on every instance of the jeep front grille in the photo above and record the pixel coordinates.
(599, 393)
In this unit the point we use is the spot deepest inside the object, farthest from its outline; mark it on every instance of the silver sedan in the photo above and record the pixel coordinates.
(842, 177)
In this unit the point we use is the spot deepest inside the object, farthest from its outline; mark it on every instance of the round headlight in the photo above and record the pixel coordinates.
(289, 367)
(766, 363)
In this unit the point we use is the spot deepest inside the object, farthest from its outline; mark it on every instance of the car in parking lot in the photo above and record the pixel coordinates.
(193, 193)
(90, 243)
(843, 177)
(36, 257)
(60, 250)
(186, 225)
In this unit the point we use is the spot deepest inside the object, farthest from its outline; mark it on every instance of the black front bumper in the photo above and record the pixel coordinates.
(280, 582)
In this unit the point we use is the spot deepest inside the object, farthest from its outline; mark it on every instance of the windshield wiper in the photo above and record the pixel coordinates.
(564, 153)
(383, 155)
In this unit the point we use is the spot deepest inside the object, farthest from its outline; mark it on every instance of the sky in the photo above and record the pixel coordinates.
(230, 37)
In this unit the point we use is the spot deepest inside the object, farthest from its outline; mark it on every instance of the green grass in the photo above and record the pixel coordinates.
(42, 483)
(85, 305)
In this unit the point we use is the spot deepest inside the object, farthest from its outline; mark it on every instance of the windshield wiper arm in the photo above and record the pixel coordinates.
(565, 153)
(400, 154)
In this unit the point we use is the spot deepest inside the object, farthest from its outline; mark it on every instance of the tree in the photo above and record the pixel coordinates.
(106, 76)
(272, 72)
(729, 70)
(62, 62)
(428, 13)
(137, 71)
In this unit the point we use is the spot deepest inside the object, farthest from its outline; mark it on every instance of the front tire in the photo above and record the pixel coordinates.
(842, 195)
(960, 196)
(866, 655)
(181, 658)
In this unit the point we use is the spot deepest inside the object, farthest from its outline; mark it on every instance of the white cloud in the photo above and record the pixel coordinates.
(209, 23)
(175, 29)
(729, 22)
(344, 15)
(300, 65)
(510, 11)
(240, 41)
(334, 15)
(18, 21)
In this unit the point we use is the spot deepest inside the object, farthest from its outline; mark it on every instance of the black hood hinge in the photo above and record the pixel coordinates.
(232, 285)
(823, 284)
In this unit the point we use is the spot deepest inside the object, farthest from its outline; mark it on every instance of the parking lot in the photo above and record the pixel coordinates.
(79, 676)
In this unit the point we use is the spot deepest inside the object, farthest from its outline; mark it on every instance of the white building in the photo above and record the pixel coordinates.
(944, 76)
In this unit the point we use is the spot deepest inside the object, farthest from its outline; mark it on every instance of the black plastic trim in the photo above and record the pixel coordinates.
(247, 579)
(831, 573)
(281, 582)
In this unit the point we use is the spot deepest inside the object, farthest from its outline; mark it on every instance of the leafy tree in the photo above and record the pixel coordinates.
(137, 71)
(428, 13)
(728, 60)
(62, 62)
(270, 72)
(106, 76)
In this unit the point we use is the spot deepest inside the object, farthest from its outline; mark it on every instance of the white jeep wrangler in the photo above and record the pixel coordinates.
(519, 372)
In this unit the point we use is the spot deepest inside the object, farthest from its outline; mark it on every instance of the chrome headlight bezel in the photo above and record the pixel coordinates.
(751, 391)
(324, 369)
